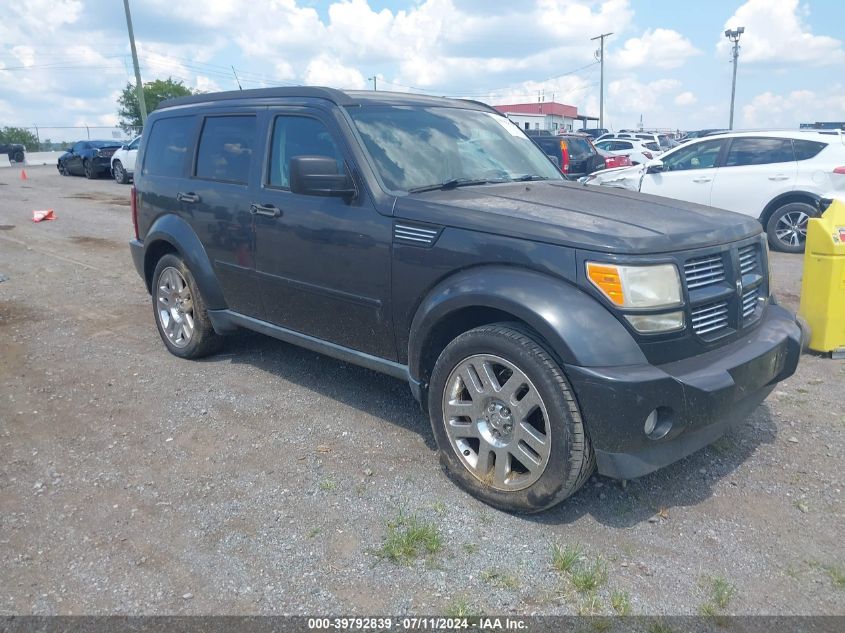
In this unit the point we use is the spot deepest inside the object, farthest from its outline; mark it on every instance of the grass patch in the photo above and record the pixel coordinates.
(721, 592)
(659, 626)
(837, 576)
(328, 485)
(460, 608)
(408, 538)
(499, 579)
(590, 605)
(470, 548)
(439, 508)
(620, 601)
(565, 558)
(313, 532)
(589, 576)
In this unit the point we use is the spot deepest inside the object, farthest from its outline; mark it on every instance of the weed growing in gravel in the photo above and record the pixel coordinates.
(589, 576)
(409, 538)
(470, 548)
(659, 626)
(460, 608)
(721, 592)
(499, 579)
(328, 485)
(439, 508)
(836, 575)
(590, 605)
(313, 532)
(565, 558)
(621, 602)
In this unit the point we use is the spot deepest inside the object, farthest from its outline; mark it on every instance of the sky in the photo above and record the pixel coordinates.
(64, 62)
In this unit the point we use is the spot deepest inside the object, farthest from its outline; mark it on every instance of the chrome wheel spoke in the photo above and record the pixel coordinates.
(503, 467)
(460, 429)
(460, 409)
(174, 307)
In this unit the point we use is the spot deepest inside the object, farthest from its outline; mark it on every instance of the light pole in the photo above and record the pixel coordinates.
(733, 36)
(601, 87)
(139, 87)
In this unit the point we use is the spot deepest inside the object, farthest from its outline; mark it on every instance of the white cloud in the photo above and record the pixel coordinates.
(658, 48)
(776, 32)
(325, 70)
(798, 106)
(685, 99)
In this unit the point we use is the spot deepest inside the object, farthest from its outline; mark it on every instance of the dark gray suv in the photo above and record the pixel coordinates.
(549, 329)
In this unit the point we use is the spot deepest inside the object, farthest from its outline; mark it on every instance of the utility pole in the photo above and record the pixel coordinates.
(734, 36)
(374, 79)
(139, 87)
(601, 87)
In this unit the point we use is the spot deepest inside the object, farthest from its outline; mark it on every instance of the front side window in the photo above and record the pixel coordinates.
(225, 148)
(748, 150)
(415, 146)
(167, 147)
(298, 136)
(698, 156)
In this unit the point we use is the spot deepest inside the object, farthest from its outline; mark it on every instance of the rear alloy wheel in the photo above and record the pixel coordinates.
(180, 312)
(120, 175)
(506, 422)
(787, 227)
(90, 171)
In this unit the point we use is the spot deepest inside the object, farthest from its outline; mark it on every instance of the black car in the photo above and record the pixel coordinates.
(549, 329)
(594, 132)
(574, 154)
(91, 159)
(15, 151)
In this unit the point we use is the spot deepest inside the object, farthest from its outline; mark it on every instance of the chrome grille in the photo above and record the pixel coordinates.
(709, 318)
(748, 260)
(749, 302)
(704, 271)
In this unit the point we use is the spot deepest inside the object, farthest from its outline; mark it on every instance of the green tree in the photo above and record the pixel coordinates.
(19, 135)
(154, 93)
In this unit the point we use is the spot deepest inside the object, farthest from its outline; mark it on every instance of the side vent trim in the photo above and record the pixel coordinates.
(415, 234)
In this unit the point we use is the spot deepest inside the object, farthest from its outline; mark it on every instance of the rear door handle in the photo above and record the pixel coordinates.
(267, 210)
(187, 197)
(702, 179)
(779, 177)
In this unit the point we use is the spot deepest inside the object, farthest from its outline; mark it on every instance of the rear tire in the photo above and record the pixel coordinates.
(494, 392)
(89, 169)
(787, 226)
(179, 310)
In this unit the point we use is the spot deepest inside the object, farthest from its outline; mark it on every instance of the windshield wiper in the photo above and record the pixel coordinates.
(450, 184)
(528, 177)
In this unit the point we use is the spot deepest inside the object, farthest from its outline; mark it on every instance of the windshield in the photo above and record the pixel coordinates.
(418, 147)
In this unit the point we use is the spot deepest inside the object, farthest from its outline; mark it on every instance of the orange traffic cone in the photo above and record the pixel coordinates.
(23, 175)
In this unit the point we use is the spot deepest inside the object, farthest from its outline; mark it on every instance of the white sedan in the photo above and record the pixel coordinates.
(776, 177)
(637, 150)
(123, 161)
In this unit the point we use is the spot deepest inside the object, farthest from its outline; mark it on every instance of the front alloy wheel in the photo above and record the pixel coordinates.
(497, 422)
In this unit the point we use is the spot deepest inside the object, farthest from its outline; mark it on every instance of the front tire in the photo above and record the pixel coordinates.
(180, 313)
(120, 175)
(506, 422)
(63, 170)
(19, 157)
(89, 169)
(787, 227)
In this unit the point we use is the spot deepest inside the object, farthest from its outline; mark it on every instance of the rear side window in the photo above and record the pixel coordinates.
(807, 149)
(759, 151)
(167, 147)
(225, 148)
(579, 147)
(299, 136)
(654, 147)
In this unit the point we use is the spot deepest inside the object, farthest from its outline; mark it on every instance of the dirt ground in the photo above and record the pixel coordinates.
(262, 480)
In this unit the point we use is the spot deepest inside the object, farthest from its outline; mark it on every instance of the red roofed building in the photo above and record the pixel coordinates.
(547, 115)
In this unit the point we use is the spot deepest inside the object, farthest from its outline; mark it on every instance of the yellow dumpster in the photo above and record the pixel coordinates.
(823, 285)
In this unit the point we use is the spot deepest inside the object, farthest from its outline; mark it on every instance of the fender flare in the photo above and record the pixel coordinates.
(786, 198)
(579, 330)
(173, 230)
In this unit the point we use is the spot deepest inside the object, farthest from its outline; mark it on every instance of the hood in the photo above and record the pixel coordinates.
(594, 218)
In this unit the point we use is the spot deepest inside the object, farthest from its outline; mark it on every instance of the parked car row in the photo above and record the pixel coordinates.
(15, 151)
(94, 159)
(778, 177)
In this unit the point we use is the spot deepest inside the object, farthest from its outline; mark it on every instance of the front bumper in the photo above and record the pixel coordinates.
(702, 397)
(102, 164)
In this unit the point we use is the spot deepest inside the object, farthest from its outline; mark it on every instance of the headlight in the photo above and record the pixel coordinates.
(96, 153)
(637, 286)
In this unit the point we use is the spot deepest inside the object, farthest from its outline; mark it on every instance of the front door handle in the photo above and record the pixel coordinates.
(779, 177)
(702, 179)
(187, 197)
(267, 210)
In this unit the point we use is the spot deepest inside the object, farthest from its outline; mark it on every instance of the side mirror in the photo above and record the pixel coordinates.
(318, 176)
(124, 146)
(68, 150)
(654, 166)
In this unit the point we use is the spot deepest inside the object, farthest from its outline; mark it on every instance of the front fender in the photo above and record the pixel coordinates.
(579, 330)
(173, 230)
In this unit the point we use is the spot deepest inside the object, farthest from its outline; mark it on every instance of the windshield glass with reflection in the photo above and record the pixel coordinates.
(415, 147)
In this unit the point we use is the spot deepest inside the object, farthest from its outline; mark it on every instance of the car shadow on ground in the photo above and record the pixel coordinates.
(610, 502)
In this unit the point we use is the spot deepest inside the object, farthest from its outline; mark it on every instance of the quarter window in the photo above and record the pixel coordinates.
(298, 136)
(759, 151)
(806, 149)
(167, 147)
(698, 156)
(225, 148)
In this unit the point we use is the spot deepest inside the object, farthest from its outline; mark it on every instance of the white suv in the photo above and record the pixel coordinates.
(778, 177)
(637, 150)
(123, 161)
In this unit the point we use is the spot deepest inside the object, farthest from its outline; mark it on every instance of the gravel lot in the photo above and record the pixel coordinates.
(262, 480)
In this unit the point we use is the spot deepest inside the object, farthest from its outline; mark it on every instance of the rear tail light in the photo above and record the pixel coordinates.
(839, 170)
(564, 150)
(648, 154)
(134, 206)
